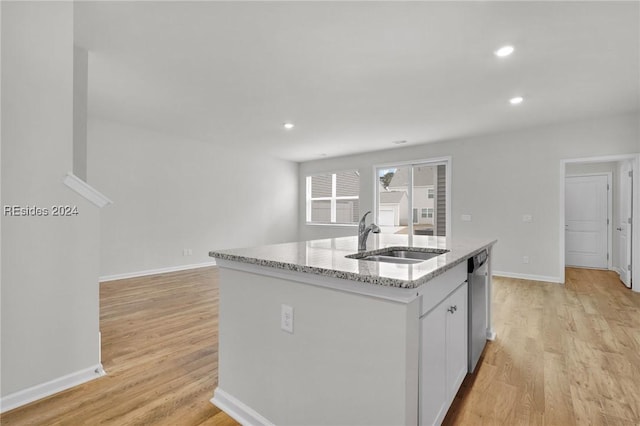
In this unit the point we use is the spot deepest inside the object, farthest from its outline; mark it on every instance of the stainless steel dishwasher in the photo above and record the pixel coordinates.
(477, 302)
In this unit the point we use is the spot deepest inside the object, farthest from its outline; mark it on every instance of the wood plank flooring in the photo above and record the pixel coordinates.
(565, 355)
(159, 348)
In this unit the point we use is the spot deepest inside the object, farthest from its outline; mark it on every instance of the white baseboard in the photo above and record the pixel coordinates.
(155, 271)
(237, 410)
(527, 277)
(49, 388)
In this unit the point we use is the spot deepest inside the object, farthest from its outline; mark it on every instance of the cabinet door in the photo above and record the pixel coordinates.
(433, 386)
(456, 339)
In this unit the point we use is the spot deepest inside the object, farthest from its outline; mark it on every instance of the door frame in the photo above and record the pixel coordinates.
(628, 250)
(609, 176)
(635, 231)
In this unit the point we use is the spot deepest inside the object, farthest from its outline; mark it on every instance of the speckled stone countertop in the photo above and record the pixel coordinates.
(327, 258)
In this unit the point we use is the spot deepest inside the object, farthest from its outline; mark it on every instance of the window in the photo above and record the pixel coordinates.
(333, 198)
(413, 197)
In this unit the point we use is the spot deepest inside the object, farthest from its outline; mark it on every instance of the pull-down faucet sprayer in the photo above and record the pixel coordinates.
(363, 232)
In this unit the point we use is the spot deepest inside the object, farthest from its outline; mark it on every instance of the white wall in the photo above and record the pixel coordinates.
(172, 193)
(498, 178)
(80, 97)
(49, 264)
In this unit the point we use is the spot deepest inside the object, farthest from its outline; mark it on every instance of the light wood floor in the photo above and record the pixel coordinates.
(564, 355)
(159, 348)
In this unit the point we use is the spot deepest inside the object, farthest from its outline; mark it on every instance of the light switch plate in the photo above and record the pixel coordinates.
(466, 218)
(527, 218)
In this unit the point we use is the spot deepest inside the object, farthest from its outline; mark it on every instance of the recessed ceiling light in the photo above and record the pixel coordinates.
(289, 126)
(398, 142)
(516, 100)
(504, 51)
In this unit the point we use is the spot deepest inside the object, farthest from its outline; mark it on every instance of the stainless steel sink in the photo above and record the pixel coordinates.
(401, 255)
(391, 259)
(411, 254)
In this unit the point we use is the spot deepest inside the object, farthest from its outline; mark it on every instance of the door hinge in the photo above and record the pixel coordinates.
(629, 221)
(629, 268)
(607, 187)
(607, 256)
(607, 221)
(631, 173)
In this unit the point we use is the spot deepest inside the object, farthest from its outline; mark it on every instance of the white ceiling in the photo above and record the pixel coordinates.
(355, 76)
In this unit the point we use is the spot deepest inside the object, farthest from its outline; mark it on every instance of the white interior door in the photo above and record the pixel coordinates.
(586, 207)
(624, 223)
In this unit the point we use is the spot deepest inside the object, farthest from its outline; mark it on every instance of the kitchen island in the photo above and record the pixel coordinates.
(310, 335)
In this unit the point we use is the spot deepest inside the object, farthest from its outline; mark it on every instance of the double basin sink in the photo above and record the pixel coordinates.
(401, 255)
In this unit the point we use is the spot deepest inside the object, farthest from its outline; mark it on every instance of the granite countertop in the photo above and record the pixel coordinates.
(327, 258)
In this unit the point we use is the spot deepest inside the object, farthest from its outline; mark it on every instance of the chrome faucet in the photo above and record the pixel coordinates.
(363, 232)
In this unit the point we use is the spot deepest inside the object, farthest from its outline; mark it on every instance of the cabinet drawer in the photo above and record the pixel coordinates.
(434, 291)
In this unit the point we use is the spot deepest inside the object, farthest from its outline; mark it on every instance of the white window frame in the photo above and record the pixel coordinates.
(333, 199)
(424, 214)
(431, 193)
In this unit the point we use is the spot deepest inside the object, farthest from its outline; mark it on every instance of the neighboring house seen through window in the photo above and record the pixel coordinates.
(333, 198)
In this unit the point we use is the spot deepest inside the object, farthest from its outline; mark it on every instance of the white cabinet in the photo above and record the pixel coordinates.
(443, 357)
(457, 354)
(433, 376)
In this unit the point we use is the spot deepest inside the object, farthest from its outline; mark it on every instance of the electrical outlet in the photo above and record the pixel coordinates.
(286, 318)
(525, 259)
(187, 252)
(527, 218)
(466, 218)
